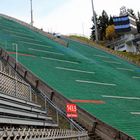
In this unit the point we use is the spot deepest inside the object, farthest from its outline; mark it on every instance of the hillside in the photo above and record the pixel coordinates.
(100, 83)
(131, 57)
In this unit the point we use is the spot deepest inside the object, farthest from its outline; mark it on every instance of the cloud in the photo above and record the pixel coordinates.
(64, 16)
(72, 17)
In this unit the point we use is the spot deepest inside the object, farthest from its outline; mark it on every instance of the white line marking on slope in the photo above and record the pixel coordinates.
(135, 113)
(93, 82)
(121, 97)
(98, 55)
(136, 77)
(75, 70)
(125, 69)
(45, 51)
(35, 44)
(54, 59)
(111, 62)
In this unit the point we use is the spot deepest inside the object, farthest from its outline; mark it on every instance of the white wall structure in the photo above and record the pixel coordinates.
(128, 43)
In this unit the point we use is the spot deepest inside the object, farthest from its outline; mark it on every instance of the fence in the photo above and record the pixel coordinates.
(41, 134)
(12, 84)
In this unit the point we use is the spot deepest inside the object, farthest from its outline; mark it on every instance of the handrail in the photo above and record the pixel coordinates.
(74, 124)
(41, 134)
(63, 114)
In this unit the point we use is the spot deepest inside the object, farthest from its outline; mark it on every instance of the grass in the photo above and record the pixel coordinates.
(134, 57)
(131, 57)
(80, 38)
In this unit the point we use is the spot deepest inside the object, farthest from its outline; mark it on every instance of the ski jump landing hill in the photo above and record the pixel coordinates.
(105, 87)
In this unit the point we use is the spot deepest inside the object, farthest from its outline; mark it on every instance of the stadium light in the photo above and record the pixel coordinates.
(95, 22)
(31, 13)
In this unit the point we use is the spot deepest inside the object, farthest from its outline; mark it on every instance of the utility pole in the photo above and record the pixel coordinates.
(31, 13)
(15, 47)
(95, 22)
(83, 31)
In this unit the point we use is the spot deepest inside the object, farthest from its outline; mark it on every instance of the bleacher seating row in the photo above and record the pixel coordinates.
(21, 118)
(22, 113)
(16, 106)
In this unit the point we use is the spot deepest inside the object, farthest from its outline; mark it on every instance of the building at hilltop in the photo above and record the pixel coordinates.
(126, 27)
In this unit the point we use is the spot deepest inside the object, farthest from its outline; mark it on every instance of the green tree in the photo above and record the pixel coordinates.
(110, 22)
(102, 23)
(138, 23)
(93, 37)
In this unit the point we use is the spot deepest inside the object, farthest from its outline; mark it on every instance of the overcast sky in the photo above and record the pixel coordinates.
(64, 16)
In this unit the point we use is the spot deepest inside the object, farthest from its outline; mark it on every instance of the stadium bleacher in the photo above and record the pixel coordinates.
(100, 83)
(16, 106)
(21, 115)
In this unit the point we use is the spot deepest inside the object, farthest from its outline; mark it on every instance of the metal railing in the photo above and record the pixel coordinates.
(41, 134)
(12, 84)
(6, 68)
(15, 87)
(72, 123)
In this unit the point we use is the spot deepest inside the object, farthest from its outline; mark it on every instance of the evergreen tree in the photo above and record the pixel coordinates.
(93, 36)
(138, 16)
(138, 23)
(102, 23)
(110, 22)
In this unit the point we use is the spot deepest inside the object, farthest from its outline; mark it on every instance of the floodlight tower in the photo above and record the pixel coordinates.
(31, 13)
(95, 22)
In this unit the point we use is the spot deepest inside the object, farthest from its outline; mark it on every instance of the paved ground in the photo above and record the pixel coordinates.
(104, 85)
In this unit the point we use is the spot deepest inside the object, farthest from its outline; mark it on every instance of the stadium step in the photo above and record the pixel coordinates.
(19, 103)
(19, 112)
(16, 106)
(9, 120)
(16, 110)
